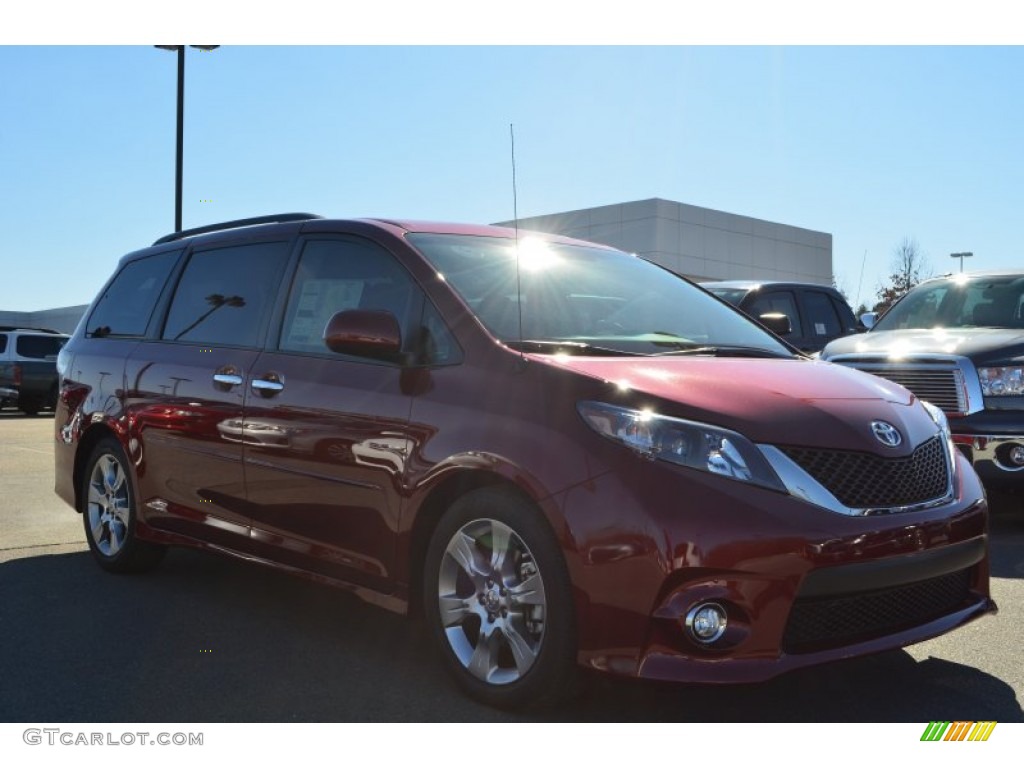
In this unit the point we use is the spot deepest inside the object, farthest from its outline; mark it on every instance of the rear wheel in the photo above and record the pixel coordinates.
(498, 602)
(109, 513)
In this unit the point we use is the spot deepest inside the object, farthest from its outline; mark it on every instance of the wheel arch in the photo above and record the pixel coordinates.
(89, 440)
(440, 497)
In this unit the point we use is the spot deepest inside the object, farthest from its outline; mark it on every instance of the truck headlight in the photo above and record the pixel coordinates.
(999, 382)
(688, 443)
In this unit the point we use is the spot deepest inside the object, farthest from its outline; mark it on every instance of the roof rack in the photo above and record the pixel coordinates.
(278, 218)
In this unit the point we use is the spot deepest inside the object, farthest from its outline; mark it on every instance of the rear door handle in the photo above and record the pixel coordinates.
(227, 379)
(269, 385)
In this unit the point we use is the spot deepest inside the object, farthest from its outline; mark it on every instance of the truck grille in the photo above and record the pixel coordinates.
(867, 481)
(941, 385)
(828, 622)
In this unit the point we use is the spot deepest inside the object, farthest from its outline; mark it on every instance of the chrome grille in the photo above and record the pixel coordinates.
(867, 481)
(941, 385)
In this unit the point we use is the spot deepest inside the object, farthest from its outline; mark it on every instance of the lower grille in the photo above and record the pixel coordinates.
(866, 481)
(827, 622)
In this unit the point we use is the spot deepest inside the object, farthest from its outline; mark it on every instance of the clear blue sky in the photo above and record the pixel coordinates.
(871, 144)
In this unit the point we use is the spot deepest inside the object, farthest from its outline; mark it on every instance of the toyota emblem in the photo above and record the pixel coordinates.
(886, 433)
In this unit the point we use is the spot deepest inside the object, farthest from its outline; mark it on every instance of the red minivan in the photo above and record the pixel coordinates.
(556, 453)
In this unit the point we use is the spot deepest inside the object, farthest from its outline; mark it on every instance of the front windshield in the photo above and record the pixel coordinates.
(976, 302)
(596, 297)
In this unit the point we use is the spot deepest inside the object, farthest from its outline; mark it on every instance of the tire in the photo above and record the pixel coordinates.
(501, 616)
(109, 513)
(30, 407)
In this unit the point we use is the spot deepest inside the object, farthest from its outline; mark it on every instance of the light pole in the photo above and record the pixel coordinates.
(181, 123)
(963, 255)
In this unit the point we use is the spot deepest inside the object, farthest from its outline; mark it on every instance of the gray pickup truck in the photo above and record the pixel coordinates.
(958, 342)
(28, 367)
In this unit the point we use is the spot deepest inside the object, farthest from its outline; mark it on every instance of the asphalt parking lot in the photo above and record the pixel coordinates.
(205, 639)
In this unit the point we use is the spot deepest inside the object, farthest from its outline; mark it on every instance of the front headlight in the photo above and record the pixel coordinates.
(999, 382)
(687, 443)
(937, 416)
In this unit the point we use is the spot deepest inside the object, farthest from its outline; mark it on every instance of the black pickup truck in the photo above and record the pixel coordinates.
(28, 367)
(958, 342)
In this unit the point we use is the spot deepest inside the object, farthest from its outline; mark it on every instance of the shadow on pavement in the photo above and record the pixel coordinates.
(204, 639)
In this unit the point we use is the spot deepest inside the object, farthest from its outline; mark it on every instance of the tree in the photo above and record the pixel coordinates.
(909, 267)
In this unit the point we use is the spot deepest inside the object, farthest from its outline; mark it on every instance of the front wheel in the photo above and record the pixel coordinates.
(109, 513)
(498, 602)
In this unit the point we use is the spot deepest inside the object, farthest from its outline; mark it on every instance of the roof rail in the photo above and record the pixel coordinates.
(278, 218)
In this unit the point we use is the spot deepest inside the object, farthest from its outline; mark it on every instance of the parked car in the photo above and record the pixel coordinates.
(817, 314)
(28, 367)
(556, 453)
(958, 342)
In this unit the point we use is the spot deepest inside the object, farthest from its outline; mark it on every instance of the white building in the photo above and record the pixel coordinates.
(699, 243)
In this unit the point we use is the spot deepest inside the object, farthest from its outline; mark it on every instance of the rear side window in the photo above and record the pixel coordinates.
(821, 315)
(225, 295)
(3, 342)
(39, 347)
(126, 306)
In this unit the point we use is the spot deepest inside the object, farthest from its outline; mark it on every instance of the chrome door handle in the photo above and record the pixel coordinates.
(227, 379)
(267, 387)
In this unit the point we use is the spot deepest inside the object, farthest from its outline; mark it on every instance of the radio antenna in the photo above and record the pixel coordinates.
(515, 224)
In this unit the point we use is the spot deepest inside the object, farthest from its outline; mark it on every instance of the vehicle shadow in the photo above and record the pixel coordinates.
(204, 639)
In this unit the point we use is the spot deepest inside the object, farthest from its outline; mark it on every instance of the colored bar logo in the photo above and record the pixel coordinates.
(958, 731)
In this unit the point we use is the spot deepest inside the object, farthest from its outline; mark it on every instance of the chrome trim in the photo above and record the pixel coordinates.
(969, 397)
(800, 484)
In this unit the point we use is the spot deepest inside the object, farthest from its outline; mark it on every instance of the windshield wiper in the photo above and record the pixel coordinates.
(723, 350)
(553, 346)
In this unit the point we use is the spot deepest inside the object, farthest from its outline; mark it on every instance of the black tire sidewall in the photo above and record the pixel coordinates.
(550, 679)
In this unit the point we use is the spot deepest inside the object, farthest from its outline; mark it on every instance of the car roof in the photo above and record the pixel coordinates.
(19, 329)
(753, 285)
(314, 223)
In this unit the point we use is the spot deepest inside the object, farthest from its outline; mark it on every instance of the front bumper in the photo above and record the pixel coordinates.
(800, 585)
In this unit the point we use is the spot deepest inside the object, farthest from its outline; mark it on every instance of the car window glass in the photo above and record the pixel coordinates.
(992, 302)
(39, 347)
(126, 306)
(821, 315)
(3, 342)
(540, 290)
(337, 275)
(224, 294)
(777, 301)
(846, 318)
(437, 344)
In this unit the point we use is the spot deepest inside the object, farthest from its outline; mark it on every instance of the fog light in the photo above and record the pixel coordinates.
(706, 622)
(1017, 455)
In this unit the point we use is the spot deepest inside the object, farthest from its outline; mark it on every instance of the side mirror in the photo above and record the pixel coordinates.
(868, 319)
(776, 322)
(364, 332)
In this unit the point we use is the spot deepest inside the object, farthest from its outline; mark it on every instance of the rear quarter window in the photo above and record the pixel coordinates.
(127, 304)
(39, 347)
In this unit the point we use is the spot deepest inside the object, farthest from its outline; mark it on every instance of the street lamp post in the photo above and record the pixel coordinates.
(962, 255)
(181, 124)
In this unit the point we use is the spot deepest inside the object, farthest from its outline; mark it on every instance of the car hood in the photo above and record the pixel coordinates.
(778, 401)
(979, 344)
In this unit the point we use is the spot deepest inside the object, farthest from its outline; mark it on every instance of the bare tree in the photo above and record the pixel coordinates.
(909, 267)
